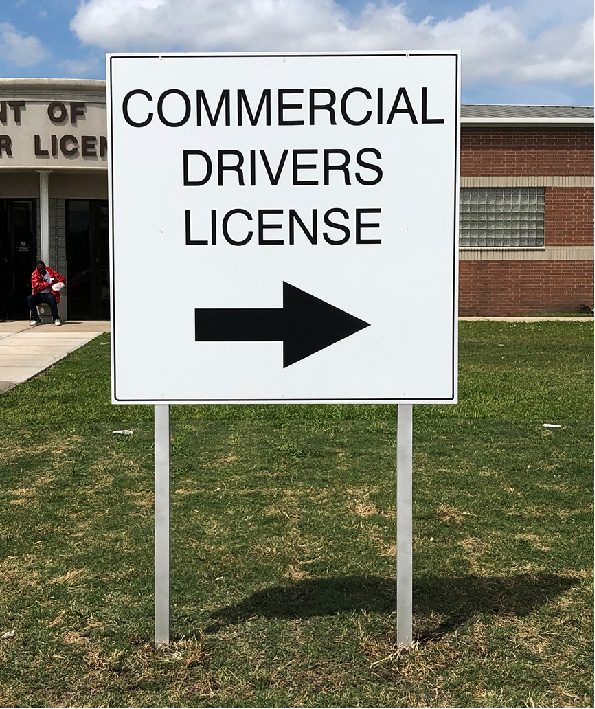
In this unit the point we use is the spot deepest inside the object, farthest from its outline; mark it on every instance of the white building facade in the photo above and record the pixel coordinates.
(53, 193)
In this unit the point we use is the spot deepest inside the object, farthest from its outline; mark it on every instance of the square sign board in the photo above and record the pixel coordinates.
(284, 227)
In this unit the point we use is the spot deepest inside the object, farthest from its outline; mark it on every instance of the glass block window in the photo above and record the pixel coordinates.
(502, 216)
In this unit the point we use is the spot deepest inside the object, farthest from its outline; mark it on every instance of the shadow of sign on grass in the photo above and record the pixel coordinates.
(454, 600)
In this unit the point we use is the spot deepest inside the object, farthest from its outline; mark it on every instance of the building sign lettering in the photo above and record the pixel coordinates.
(27, 142)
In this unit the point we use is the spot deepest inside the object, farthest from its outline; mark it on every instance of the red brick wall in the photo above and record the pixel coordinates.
(526, 152)
(524, 287)
(533, 287)
(569, 216)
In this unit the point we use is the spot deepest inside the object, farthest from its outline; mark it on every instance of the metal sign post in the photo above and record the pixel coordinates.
(404, 525)
(161, 524)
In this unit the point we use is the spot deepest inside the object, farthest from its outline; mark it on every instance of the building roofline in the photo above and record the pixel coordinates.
(526, 115)
(526, 122)
(92, 90)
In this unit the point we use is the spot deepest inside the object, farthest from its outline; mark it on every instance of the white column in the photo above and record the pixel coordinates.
(44, 207)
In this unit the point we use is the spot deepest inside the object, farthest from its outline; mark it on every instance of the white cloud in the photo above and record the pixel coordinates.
(22, 50)
(575, 64)
(510, 43)
(80, 67)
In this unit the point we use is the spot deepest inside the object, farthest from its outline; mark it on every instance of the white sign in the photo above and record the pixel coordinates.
(284, 227)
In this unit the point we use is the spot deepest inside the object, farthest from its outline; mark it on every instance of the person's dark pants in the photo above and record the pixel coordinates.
(34, 300)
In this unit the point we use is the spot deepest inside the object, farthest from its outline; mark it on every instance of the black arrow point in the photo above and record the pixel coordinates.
(311, 324)
(304, 324)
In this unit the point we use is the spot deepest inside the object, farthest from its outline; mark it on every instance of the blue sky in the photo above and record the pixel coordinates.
(523, 51)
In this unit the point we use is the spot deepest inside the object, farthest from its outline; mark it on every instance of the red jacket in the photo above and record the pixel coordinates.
(38, 284)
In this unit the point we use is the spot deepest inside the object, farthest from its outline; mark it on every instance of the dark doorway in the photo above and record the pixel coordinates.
(87, 255)
(17, 256)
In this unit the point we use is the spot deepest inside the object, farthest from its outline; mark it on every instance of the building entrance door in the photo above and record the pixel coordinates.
(87, 255)
(17, 256)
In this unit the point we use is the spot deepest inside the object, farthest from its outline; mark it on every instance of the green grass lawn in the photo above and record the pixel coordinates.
(283, 541)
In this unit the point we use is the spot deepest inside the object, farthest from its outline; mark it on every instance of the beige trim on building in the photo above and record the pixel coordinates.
(554, 181)
(548, 253)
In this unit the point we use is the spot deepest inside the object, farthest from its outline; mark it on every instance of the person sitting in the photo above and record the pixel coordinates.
(45, 289)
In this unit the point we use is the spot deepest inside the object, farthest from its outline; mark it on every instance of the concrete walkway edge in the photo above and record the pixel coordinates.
(26, 351)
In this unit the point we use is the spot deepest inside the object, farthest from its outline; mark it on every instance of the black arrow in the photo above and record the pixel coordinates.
(305, 324)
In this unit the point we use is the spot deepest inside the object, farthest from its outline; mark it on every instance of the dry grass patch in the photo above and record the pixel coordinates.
(232, 458)
(474, 549)
(362, 506)
(381, 651)
(58, 620)
(144, 500)
(102, 478)
(29, 496)
(23, 492)
(23, 446)
(449, 514)
(221, 460)
(71, 577)
(473, 546)
(22, 572)
(295, 573)
(365, 509)
(534, 540)
(286, 506)
(187, 653)
(73, 637)
(113, 461)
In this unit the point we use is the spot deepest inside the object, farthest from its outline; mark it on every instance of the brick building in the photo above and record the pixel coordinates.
(526, 227)
(526, 220)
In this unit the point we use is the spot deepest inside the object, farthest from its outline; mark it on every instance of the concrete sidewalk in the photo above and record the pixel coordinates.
(25, 351)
